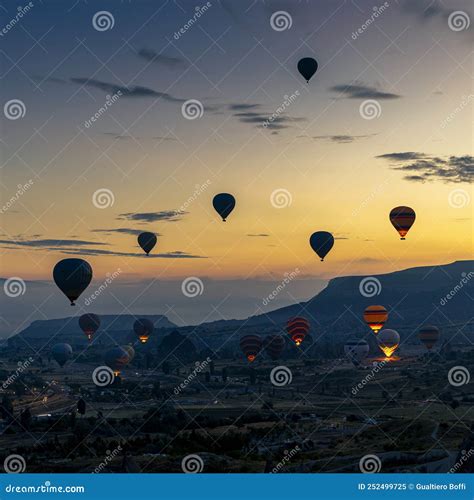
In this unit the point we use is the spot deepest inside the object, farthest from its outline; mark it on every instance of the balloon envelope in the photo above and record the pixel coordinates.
(89, 323)
(375, 317)
(143, 328)
(223, 204)
(388, 341)
(116, 358)
(402, 218)
(72, 276)
(130, 351)
(356, 351)
(147, 241)
(61, 353)
(429, 335)
(274, 345)
(307, 67)
(251, 345)
(321, 242)
(297, 329)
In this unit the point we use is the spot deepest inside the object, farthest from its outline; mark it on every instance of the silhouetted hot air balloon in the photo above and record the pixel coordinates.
(297, 329)
(429, 335)
(375, 317)
(61, 353)
(116, 358)
(274, 345)
(356, 351)
(72, 276)
(143, 328)
(307, 67)
(223, 204)
(130, 351)
(89, 323)
(147, 241)
(321, 242)
(251, 345)
(388, 341)
(402, 218)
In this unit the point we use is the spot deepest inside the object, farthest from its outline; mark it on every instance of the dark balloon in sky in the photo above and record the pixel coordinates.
(297, 329)
(307, 67)
(143, 328)
(402, 218)
(251, 345)
(147, 241)
(61, 353)
(72, 276)
(89, 324)
(223, 204)
(321, 242)
(116, 358)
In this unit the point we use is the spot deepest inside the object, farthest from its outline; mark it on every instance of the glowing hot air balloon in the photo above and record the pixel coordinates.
(321, 242)
(375, 317)
(223, 204)
(130, 351)
(89, 324)
(147, 241)
(402, 218)
(72, 276)
(61, 353)
(143, 328)
(429, 335)
(116, 358)
(274, 345)
(388, 341)
(251, 345)
(297, 329)
(307, 67)
(356, 351)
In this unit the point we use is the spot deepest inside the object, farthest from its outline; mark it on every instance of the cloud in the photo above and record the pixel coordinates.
(164, 215)
(263, 120)
(153, 56)
(243, 107)
(118, 136)
(177, 254)
(420, 167)
(122, 230)
(361, 91)
(339, 139)
(259, 235)
(50, 243)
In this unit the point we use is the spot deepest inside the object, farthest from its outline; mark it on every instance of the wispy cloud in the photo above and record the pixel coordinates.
(122, 230)
(177, 254)
(50, 243)
(339, 139)
(163, 215)
(128, 137)
(361, 91)
(258, 235)
(153, 56)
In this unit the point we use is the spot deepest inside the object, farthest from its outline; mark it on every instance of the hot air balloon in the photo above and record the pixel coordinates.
(61, 353)
(356, 351)
(223, 204)
(307, 67)
(297, 329)
(375, 317)
(251, 345)
(274, 345)
(143, 328)
(89, 324)
(72, 276)
(402, 218)
(116, 358)
(130, 351)
(429, 335)
(388, 341)
(321, 242)
(147, 241)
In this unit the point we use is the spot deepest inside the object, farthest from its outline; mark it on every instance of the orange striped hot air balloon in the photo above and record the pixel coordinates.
(375, 317)
(251, 345)
(297, 329)
(402, 218)
(429, 335)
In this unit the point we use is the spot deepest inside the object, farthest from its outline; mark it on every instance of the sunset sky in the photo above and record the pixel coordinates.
(340, 171)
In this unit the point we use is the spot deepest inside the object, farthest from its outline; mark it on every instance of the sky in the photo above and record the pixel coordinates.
(385, 121)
